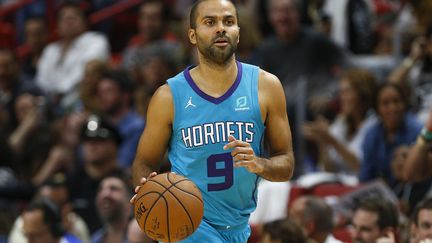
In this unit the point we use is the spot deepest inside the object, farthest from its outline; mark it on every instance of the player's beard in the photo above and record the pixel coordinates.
(216, 54)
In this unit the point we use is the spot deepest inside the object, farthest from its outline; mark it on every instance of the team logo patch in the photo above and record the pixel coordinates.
(241, 104)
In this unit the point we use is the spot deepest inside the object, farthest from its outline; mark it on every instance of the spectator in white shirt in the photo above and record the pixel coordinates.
(61, 66)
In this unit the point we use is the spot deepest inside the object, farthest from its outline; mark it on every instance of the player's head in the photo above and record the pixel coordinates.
(214, 30)
(372, 219)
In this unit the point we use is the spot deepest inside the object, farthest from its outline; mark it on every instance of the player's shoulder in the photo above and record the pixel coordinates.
(268, 80)
(163, 95)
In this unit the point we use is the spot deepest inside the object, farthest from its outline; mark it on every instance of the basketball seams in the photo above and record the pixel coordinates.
(166, 203)
(178, 200)
(167, 214)
(176, 196)
(175, 185)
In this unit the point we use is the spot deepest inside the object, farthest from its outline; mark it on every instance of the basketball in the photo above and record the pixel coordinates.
(169, 207)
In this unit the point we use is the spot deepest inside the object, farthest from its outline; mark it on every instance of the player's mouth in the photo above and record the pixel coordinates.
(221, 42)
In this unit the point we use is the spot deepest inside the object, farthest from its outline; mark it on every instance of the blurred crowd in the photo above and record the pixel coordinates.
(74, 90)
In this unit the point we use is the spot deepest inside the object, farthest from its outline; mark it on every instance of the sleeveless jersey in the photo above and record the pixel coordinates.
(201, 128)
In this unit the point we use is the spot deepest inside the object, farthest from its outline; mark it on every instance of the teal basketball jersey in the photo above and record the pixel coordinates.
(201, 128)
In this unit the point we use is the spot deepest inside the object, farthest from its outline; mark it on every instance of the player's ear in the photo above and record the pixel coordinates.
(192, 36)
(238, 37)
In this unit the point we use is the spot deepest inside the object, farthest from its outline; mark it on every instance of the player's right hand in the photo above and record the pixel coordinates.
(142, 181)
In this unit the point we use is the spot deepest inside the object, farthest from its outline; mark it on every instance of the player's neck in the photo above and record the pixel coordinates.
(215, 79)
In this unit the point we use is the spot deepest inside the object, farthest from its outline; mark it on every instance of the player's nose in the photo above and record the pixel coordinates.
(220, 27)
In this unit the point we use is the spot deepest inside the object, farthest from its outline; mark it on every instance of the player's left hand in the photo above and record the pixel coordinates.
(243, 155)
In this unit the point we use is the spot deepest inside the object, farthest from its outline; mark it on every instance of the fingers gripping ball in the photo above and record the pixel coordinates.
(169, 207)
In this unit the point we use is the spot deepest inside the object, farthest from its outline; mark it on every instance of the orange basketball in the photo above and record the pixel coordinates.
(169, 207)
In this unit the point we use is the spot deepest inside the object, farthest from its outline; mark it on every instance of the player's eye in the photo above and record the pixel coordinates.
(229, 22)
(209, 22)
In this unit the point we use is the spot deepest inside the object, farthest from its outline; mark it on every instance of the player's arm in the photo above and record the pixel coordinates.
(156, 135)
(280, 165)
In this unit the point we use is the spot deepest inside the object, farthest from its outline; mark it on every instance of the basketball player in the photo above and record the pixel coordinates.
(212, 117)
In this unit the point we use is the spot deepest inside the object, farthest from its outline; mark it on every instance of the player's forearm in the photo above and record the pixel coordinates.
(141, 169)
(277, 168)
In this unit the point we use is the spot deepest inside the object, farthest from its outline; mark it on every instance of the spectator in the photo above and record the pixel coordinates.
(153, 72)
(153, 20)
(31, 141)
(422, 221)
(42, 223)
(296, 52)
(315, 217)
(11, 84)
(408, 192)
(251, 37)
(282, 231)
(396, 126)
(373, 219)
(415, 74)
(55, 190)
(61, 66)
(36, 38)
(114, 209)
(100, 142)
(93, 73)
(340, 144)
(114, 93)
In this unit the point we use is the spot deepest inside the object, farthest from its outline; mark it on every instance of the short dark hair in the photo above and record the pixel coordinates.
(166, 11)
(403, 94)
(424, 204)
(284, 230)
(50, 213)
(124, 177)
(193, 12)
(320, 212)
(386, 211)
(120, 78)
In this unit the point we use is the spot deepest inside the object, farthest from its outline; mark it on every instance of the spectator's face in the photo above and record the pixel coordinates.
(364, 227)
(112, 199)
(70, 23)
(297, 212)
(217, 32)
(109, 96)
(35, 229)
(151, 22)
(8, 69)
(91, 74)
(398, 161)
(36, 34)
(349, 98)
(391, 107)
(284, 17)
(24, 105)
(154, 73)
(99, 151)
(424, 225)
